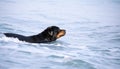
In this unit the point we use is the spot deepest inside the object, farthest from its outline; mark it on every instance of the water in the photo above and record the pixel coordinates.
(92, 40)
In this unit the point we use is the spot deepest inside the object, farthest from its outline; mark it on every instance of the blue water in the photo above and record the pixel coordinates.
(92, 40)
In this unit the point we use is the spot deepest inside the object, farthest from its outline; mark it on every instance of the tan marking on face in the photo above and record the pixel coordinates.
(61, 33)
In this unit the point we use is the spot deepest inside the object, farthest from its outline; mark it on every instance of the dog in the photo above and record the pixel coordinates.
(48, 35)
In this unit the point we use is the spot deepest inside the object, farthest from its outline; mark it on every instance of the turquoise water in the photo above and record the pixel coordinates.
(92, 40)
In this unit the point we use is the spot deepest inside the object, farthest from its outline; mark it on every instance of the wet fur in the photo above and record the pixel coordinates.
(48, 35)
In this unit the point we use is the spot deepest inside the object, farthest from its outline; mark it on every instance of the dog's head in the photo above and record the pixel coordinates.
(54, 32)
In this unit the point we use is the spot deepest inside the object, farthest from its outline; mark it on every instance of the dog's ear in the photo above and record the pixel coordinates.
(51, 33)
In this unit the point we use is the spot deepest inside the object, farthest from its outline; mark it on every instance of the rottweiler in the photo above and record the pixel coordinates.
(48, 35)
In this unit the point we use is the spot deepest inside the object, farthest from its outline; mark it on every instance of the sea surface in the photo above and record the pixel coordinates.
(92, 39)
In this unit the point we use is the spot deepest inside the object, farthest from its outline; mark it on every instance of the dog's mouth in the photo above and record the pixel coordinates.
(61, 33)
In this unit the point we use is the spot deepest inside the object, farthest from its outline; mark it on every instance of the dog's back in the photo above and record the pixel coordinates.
(20, 37)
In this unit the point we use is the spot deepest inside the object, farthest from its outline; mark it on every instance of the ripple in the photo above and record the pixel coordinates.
(55, 56)
(79, 64)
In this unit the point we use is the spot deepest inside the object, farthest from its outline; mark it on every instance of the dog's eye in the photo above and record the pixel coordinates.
(57, 31)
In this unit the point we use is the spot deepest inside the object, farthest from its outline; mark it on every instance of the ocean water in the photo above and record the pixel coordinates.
(92, 40)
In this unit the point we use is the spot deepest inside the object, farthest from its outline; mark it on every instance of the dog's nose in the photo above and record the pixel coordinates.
(64, 31)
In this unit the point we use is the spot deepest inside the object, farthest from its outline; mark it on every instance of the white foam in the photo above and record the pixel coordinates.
(10, 39)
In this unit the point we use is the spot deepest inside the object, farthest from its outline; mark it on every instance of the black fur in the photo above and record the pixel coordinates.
(48, 35)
